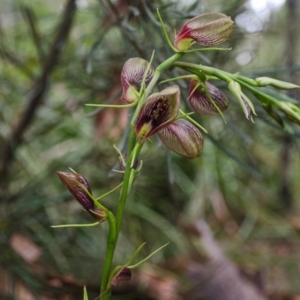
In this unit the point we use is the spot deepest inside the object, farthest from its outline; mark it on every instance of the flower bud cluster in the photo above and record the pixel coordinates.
(159, 114)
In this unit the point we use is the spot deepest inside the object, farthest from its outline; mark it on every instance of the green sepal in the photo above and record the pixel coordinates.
(75, 225)
(112, 105)
(135, 254)
(165, 32)
(186, 116)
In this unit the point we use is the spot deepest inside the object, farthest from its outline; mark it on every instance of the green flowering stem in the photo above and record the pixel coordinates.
(134, 148)
(286, 107)
(132, 140)
(127, 182)
(162, 67)
(290, 110)
(194, 68)
(246, 79)
(110, 247)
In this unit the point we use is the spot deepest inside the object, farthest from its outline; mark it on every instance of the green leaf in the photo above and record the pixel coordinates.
(85, 294)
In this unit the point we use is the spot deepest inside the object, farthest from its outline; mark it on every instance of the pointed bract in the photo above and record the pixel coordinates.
(183, 138)
(207, 30)
(132, 77)
(75, 183)
(160, 110)
(200, 101)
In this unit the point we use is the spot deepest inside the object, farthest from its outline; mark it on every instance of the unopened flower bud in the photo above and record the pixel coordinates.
(183, 138)
(124, 274)
(244, 101)
(132, 76)
(159, 111)
(264, 81)
(80, 189)
(207, 30)
(200, 101)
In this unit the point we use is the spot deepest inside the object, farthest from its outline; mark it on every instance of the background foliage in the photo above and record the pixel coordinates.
(56, 56)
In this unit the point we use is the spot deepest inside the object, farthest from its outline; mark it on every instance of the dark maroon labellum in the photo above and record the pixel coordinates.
(160, 110)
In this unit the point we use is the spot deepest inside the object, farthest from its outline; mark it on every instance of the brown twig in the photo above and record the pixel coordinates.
(40, 89)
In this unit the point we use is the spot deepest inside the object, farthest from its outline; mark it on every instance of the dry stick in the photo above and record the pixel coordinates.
(41, 86)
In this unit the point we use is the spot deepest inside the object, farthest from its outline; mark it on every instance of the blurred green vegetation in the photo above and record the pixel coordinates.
(241, 185)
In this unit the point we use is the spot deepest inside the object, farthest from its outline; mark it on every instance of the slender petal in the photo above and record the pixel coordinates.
(183, 138)
(207, 30)
(159, 111)
(132, 76)
(200, 101)
(75, 183)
